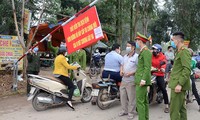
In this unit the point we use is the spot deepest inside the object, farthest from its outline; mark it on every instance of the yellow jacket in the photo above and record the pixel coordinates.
(62, 66)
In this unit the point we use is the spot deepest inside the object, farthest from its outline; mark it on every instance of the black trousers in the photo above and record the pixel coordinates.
(194, 90)
(28, 85)
(162, 86)
(68, 82)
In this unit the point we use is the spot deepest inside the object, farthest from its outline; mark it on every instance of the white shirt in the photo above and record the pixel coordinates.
(113, 61)
(129, 65)
(169, 55)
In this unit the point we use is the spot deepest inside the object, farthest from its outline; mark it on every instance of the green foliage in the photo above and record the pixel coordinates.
(158, 27)
(186, 16)
(51, 7)
(6, 20)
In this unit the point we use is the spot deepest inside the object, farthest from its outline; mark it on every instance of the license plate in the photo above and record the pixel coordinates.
(32, 90)
(95, 92)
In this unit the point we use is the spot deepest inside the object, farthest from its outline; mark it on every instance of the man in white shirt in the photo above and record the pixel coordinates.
(127, 88)
(113, 61)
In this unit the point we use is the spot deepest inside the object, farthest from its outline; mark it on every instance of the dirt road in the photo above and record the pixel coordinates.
(18, 108)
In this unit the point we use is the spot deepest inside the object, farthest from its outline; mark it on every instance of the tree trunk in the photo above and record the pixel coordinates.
(117, 20)
(16, 26)
(120, 23)
(136, 18)
(131, 21)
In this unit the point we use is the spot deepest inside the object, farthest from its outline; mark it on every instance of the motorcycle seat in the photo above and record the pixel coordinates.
(54, 79)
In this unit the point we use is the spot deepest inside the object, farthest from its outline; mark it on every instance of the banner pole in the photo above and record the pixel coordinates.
(70, 19)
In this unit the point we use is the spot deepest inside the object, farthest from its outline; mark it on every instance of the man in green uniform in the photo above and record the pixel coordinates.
(33, 66)
(80, 57)
(142, 77)
(179, 79)
(52, 48)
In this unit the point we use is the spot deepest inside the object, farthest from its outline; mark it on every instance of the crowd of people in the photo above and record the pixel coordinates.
(134, 72)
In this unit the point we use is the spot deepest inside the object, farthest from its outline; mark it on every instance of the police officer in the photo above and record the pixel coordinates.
(33, 64)
(179, 79)
(142, 77)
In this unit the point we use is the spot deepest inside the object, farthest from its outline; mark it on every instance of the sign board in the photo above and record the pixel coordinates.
(83, 30)
(10, 50)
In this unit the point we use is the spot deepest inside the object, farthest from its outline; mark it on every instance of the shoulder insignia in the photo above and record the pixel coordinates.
(145, 48)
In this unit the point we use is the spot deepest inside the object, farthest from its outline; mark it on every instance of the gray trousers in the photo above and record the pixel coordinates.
(127, 97)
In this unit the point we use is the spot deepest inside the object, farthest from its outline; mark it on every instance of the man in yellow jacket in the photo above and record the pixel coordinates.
(61, 71)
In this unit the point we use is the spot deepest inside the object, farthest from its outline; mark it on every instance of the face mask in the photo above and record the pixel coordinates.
(35, 49)
(137, 46)
(173, 44)
(128, 49)
(155, 53)
(66, 54)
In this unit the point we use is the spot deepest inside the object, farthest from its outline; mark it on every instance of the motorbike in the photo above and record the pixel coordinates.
(49, 91)
(96, 63)
(154, 93)
(107, 93)
(189, 94)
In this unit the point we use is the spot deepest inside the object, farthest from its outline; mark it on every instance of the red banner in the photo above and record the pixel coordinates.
(83, 30)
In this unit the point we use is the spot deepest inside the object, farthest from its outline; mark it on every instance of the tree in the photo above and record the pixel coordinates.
(147, 12)
(159, 26)
(6, 21)
(186, 17)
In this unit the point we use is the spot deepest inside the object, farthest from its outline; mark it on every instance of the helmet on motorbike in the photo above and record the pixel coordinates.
(157, 47)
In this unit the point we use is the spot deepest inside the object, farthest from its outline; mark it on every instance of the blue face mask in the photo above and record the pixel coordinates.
(137, 46)
(173, 44)
(35, 49)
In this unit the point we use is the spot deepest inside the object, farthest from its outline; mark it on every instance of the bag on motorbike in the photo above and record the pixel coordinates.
(77, 92)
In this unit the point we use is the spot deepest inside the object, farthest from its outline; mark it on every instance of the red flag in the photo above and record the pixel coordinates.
(83, 30)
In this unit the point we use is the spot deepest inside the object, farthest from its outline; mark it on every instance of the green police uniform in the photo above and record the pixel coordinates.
(52, 48)
(180, 75)
(80, 57)
(143, 72)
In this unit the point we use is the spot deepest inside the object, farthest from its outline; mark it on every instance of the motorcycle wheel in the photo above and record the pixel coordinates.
(103, 97)
(159, 97)
(86, 95)
(92, 69)
(37, 105)
(94, 100)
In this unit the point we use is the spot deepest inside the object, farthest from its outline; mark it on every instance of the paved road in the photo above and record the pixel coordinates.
(18, 108)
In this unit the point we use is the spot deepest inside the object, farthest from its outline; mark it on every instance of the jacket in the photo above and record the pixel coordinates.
(79, 57)
(143, 71)
(61, 66)
(181, 70)
(33, 62)
(52, 48)
(156, 63)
